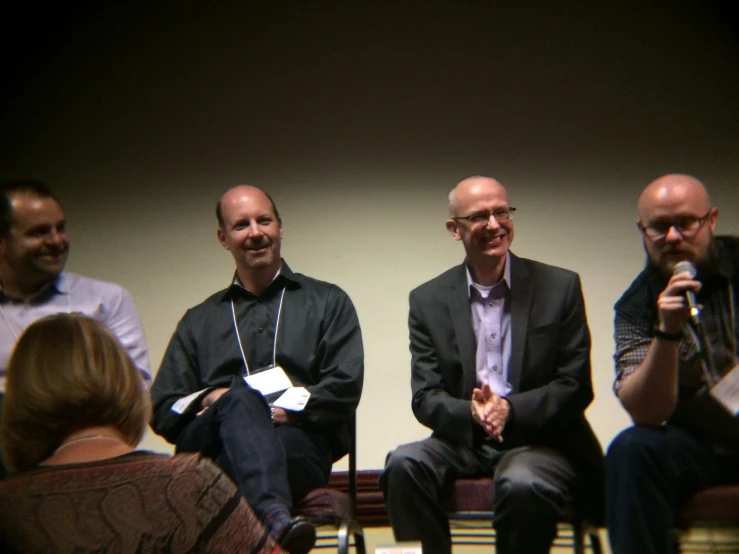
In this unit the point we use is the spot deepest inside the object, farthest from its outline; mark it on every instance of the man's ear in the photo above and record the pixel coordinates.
(453, 229)
(712, 218)
(221, 237)
(281, 229)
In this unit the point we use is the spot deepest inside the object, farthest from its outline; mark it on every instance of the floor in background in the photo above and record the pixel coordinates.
(384, 535)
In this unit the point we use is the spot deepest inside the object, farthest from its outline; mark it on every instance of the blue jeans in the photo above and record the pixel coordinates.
(650, 473)
(271, 465)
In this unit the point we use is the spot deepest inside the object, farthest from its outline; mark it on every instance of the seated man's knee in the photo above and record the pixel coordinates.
(517, 482)
(243, 399)
(400, 465)
(520, 486)
(636, 444)
(400, 460)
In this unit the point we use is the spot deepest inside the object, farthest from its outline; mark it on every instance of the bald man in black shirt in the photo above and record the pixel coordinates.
(268, 317)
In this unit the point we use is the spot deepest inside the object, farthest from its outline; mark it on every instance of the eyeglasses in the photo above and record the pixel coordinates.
(481, 218)
(686, 226)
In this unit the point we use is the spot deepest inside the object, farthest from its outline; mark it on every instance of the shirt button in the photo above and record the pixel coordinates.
(493, 335)
(261, 329)
(495, 368)
(490, 303)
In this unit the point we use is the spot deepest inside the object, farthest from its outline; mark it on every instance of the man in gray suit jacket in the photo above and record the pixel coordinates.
(501, 374)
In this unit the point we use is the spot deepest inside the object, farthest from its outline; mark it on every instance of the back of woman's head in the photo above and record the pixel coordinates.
(68, 372)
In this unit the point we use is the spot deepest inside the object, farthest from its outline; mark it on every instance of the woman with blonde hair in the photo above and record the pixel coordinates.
(75, 408)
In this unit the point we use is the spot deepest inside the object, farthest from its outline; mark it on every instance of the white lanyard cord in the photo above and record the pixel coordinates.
(277, 328)
(12, 330)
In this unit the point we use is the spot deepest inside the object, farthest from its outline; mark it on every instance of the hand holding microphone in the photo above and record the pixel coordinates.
(689, 268)
(677, 302)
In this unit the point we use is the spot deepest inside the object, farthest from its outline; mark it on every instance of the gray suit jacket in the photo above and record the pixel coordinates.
(549, 369)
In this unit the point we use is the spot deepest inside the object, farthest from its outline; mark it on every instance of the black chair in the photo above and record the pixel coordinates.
(333, 511)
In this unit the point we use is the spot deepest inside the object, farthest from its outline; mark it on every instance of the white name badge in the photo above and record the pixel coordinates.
(269, 381)
(293, 399)
(726, 391)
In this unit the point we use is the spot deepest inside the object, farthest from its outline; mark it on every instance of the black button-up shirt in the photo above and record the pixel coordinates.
(319, 345)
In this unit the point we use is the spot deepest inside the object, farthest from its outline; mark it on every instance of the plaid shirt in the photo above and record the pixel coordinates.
(636, 317)
(633, 340)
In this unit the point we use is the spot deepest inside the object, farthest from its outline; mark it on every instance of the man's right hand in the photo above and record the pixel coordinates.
(671, 304)
(478, 407)
(490, 411)
(210, 398)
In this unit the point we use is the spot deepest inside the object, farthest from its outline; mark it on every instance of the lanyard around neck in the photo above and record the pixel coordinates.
(277, 327)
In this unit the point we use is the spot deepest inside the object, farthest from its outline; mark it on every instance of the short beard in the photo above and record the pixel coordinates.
(706, 264)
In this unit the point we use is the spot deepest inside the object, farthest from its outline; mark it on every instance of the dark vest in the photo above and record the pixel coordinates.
(695, 410)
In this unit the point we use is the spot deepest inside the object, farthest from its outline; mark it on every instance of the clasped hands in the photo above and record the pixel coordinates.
(490, 411)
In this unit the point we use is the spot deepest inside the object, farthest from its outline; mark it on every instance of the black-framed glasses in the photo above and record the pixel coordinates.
(686, 226)
(479, 218)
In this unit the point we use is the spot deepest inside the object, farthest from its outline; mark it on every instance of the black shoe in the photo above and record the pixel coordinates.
(298, 536)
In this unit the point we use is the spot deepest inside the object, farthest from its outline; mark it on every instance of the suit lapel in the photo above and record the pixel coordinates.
(459, 309)
(521, 294)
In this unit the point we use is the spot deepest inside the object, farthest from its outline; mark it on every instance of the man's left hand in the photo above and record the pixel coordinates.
(496, 412)
(282, 417)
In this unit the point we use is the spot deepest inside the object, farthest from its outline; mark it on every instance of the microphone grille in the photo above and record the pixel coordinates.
(685, 267)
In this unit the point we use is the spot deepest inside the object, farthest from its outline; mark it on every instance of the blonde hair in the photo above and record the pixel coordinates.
(68, 372)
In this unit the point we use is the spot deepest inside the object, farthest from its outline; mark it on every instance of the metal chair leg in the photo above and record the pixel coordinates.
(342, 537)
(595, 541)
(578, 540)
(350, 529)
(359, 544)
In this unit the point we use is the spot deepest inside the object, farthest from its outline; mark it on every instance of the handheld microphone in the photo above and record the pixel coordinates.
(689, 268)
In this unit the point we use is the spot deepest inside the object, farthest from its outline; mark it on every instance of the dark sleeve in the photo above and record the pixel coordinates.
(432, 404)
(178, 376)
(340, 363)
(564, 398)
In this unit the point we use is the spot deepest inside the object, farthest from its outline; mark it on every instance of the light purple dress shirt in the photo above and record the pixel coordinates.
(490, 309)
(106, 302)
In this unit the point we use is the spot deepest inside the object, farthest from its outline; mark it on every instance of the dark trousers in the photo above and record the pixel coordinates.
(650, 472)
(533, 489)
(273, 466)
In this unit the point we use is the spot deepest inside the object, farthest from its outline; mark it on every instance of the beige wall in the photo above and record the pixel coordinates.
(358, 121)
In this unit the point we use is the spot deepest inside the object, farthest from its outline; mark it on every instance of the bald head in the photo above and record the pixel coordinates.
(241, 193)
(250, 228)
(671, 191)
(472, 187)
(677, 222)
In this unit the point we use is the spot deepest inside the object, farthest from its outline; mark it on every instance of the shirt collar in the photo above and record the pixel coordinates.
(506, 274)
(60, 285)
(284, 273)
